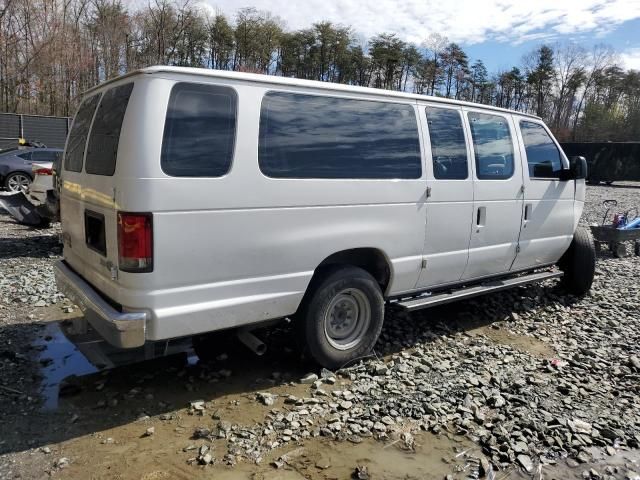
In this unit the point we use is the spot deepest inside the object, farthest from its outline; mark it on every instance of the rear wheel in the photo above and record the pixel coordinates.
(17, 182)
(341, 316)
(579, 263)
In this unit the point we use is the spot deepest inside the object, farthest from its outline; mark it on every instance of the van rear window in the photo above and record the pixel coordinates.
(105, 133)
(199, 131)
(74, 152)
(313, 136)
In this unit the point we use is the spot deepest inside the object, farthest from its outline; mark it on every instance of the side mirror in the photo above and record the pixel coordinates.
(577, 169)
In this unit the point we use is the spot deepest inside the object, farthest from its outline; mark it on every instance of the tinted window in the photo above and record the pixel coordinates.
(74, 152)
(448, 147)
(199, 132)
(25, 156)
(307, 136)
(492, 146)
(105, 133)
(43, 156)
(543, 156)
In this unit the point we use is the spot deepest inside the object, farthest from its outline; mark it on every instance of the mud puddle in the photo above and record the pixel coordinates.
(58, 359)
(434, 457)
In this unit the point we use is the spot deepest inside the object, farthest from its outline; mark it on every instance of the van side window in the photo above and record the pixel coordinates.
(312, 136)
(492, 146)
(199, 131)
(448, 147)
(105, 133)
(74, 153)
(543, 156)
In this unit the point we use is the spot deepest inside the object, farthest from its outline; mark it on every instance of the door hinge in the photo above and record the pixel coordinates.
(517, 248)
(428, 192)
(423, 264)
(522, 188)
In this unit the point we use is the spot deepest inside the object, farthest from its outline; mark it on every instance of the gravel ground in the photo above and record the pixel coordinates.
(532, 377)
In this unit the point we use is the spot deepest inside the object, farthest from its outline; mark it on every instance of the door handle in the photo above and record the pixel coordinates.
(481, 217)
(527, 212)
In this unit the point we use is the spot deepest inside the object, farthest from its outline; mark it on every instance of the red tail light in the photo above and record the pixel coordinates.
(135, 242)
(43, 171)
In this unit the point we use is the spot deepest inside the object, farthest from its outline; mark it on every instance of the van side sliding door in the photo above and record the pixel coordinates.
(498, 193)
(450, 195)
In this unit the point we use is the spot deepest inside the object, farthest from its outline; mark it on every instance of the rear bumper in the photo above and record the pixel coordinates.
(120, 329)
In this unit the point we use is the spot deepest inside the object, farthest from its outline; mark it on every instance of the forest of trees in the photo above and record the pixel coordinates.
(53, 50)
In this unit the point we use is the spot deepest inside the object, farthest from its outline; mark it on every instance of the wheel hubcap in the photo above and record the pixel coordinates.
(347, 319)
(18, 182)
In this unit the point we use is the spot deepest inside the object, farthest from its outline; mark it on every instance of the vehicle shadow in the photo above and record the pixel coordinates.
(71, 399)
(34, 246)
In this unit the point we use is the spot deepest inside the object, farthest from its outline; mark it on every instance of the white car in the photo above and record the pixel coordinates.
(42, 174)
(195, 200)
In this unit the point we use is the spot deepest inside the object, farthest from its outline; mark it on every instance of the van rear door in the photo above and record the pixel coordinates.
(87, 200)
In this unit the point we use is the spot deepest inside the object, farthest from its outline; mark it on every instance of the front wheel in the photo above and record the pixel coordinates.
(341, 316)
(579, 263)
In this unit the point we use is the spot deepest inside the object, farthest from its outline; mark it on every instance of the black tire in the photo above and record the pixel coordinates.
(579, 263)
(332, 300)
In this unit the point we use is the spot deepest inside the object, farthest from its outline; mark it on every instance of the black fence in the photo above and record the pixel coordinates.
(52, 131)
(608, 161)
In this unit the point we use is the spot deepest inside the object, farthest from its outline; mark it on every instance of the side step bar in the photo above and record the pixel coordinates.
(474, 291)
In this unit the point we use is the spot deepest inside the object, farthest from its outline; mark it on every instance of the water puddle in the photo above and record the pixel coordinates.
(59, 359)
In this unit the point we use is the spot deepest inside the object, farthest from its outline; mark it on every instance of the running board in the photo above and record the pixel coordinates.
(474, 291)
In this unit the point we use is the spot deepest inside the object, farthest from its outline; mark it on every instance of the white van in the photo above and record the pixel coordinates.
(195, 200)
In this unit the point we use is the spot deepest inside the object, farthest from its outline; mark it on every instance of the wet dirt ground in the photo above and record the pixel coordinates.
(62, 417)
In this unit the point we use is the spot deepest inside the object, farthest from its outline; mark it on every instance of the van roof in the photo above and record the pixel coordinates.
(289, 81)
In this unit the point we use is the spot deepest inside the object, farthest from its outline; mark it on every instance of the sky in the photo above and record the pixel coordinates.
(499, 32)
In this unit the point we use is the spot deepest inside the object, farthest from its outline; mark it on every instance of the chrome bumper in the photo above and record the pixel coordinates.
(120, 329)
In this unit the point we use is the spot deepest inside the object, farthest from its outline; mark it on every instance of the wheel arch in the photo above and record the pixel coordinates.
(370, 259)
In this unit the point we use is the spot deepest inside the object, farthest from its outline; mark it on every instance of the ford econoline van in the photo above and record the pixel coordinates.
(195, 200)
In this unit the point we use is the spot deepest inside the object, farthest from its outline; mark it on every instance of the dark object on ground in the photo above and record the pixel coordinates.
(608, 161)
(20, 208)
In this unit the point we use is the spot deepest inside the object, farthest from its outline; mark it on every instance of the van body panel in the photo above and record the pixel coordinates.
(242, 248)
(449, 215)
(547, 226)
(497, 217)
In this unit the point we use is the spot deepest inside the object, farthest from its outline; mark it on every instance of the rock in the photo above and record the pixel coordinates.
(149, 432)
(309, 378)
(580, 426)
(201, 432)
(266, 398)
(45, 450)
(583, 457)
(520, 447)
(61, 463)
(525, 462)
(361, 473)
(345, 405)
